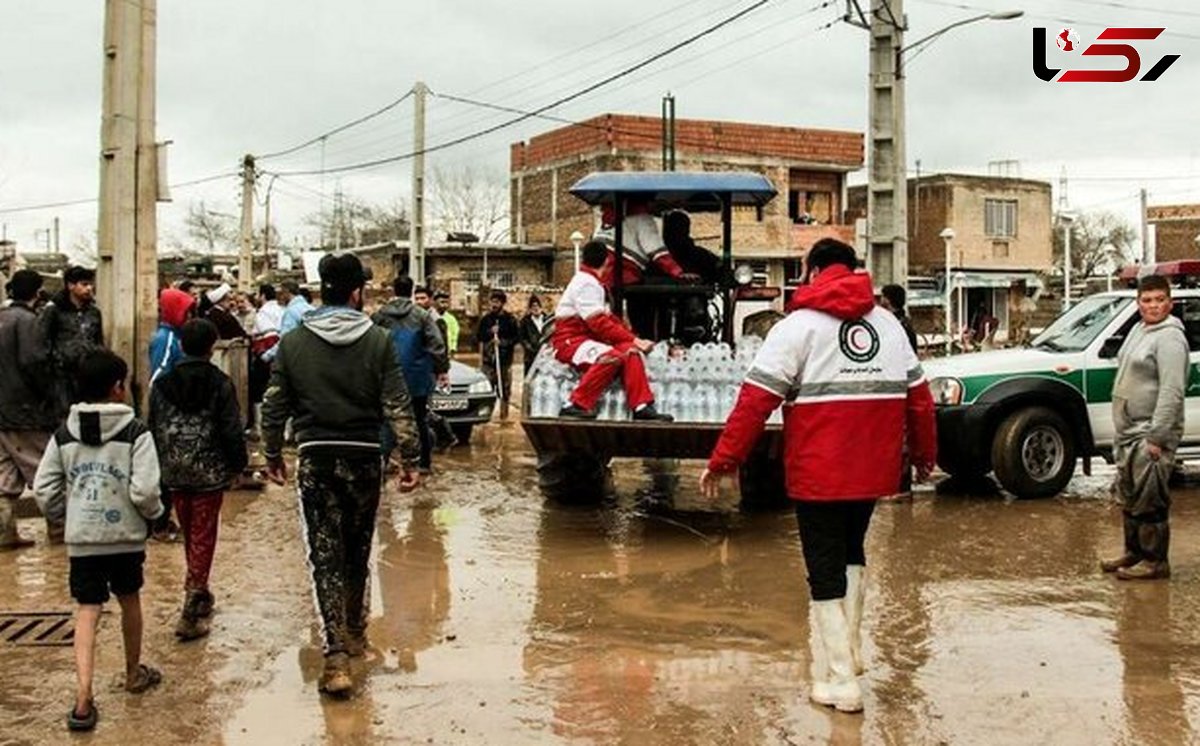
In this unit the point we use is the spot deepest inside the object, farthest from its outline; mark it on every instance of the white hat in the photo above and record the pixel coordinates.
(217, 294)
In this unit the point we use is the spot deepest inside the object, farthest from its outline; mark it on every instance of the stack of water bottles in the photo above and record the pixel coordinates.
(696, 384)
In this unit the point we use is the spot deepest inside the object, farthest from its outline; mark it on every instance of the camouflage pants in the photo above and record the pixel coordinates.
(339, 495)
(1142, 486)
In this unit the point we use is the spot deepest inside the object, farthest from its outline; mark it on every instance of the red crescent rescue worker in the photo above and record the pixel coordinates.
(643, 244)
(851, 388)
(590, 338)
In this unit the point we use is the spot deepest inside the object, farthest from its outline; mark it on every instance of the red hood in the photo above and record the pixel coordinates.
(837, 291)
(173, 306)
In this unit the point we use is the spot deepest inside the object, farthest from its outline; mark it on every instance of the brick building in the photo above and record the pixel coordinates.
(1176, 230)
(1002, 242)
(807, 166)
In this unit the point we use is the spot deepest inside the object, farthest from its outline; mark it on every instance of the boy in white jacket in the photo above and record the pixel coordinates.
(100, 474)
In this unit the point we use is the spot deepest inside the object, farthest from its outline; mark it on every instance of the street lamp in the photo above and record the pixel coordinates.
(1066, 219)
(576, 241)
(947, 236)
(1004, 15)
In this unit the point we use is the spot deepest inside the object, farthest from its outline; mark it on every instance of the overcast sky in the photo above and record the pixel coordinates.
(239, 76)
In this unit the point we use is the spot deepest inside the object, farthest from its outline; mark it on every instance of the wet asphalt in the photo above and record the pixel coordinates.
(657, 618)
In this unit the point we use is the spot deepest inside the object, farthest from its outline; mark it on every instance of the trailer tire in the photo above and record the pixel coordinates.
(574, 478)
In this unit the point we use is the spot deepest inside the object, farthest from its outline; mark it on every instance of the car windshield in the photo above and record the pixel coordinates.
(1078, 327)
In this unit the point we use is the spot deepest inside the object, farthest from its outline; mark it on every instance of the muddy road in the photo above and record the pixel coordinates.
(499, 619)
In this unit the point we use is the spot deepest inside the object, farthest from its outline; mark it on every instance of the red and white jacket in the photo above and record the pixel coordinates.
(643, 247)
(584, 327)
(851, 387)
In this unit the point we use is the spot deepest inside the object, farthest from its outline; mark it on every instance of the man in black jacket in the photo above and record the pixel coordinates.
(72, 327)
(27, 410)
(197, 427)
(498, 337)
(338, 377)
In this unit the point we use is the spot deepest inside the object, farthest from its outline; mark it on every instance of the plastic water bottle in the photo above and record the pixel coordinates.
(544, 392)
(712, 404)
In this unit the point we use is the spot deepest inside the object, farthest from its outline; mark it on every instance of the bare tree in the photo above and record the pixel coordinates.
(352, 221)
(217, 230)
(1097, 239)
(471, 200)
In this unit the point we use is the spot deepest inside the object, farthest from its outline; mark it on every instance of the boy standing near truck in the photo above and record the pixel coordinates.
(100, 473)
(1148, 406)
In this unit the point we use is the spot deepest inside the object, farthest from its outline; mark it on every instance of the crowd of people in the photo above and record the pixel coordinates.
(858, 413)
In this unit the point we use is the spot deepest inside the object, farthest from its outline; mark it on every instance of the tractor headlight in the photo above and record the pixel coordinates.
(743, 274)
(946, 391)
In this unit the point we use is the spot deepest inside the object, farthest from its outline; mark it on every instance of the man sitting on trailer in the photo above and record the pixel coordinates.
(590, 338)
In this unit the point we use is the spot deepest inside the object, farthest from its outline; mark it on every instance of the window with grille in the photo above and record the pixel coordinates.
(1000, 218)
(502, 279)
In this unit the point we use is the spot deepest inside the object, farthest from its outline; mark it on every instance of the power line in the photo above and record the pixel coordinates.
(565, 99)
(336, 130)
(1123, 6)
(89, 200)
(1056, 19)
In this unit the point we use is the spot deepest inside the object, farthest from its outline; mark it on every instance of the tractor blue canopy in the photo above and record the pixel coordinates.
(693, 192)
(696, 191)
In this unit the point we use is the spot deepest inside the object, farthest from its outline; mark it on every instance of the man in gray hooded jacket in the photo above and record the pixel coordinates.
(338, 377)
(1148, 404)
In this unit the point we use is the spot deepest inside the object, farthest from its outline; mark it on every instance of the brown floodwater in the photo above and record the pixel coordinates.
(657, 619)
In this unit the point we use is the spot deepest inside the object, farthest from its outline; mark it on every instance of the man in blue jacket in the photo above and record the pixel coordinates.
(422, 354)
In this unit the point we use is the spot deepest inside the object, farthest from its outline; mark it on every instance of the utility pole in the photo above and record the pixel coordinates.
(56, 247)
(267, 229)
(668, 133)
(246, 253)
(887, 187)
(127, 274)
(416, 254)
(1148, 252)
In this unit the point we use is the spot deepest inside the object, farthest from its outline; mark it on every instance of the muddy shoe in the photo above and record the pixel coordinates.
(1145, 570)
(204, 604)
(335, 679)
(145, 679)
(1116, 563)
(191, 628)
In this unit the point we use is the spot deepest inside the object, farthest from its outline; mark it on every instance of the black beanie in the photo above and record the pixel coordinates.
(24, 285)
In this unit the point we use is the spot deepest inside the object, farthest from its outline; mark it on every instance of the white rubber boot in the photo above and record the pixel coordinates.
(856, 590)
(840, 688)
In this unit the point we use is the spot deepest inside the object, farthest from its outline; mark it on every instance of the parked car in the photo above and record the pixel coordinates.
(1027, 414)
(469, 401)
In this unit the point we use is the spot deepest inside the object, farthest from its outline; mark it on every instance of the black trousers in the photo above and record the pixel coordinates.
(339, 495)
(420, 405)
(831, 536)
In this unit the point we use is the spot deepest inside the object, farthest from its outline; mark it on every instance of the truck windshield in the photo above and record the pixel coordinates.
(1078, 327)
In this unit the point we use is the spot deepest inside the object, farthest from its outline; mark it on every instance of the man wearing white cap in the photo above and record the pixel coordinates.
(221, 312)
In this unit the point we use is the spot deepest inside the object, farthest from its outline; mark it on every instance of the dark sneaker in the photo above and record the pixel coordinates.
(190, 627)
(335, 679)
(1116, 563)
(649, 413)
(145, 679)
(204, 604)
(577, 412)
(1145, 570)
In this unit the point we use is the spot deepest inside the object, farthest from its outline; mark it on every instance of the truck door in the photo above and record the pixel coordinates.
(1188, 311)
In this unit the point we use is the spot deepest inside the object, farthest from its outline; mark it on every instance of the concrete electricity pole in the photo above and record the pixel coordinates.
(246, 252)
(416, 254)
(887, 186)
(1147, 248)
(127, 274)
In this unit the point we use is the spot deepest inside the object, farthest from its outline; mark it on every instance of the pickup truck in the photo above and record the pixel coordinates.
(1029, 414)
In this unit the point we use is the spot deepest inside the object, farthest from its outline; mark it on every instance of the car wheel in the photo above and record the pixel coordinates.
(762, 485)
(574, 478)
(1033, 453)
(462, 432)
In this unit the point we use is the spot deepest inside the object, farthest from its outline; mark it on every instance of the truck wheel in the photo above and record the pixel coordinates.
(1033, 453)
(574, 478)
(762, 485)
